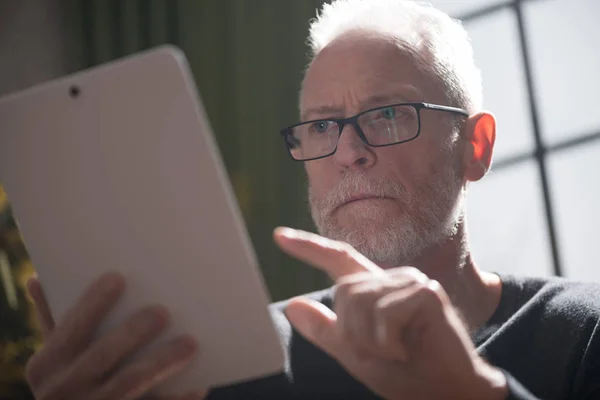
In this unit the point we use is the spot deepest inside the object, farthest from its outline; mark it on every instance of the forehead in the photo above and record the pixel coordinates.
(359, 66)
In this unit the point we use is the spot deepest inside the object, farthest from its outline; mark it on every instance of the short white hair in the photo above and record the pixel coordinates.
(440, 44)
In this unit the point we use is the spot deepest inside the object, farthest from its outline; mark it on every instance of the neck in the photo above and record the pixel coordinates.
(474, 293)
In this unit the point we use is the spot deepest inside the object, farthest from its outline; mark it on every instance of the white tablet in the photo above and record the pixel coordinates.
(116, 168)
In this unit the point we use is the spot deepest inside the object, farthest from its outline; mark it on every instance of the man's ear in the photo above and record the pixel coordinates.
(479, 132)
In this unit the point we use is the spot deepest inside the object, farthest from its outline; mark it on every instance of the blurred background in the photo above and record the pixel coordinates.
(536, 213)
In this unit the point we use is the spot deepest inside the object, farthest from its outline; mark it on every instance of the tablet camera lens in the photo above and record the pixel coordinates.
(74, 91)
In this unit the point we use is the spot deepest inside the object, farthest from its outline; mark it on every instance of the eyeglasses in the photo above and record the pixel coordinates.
(377, 127)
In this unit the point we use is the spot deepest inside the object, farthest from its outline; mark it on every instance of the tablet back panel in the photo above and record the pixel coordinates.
(116, 168)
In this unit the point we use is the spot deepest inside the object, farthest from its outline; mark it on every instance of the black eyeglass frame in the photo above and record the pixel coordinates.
(342, 122)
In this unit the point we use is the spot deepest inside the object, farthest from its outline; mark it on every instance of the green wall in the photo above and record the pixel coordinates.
(248, 58)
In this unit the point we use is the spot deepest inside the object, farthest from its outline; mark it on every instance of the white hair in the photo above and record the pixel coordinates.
(440, 44)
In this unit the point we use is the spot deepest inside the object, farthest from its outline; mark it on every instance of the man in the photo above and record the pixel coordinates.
(392, 134)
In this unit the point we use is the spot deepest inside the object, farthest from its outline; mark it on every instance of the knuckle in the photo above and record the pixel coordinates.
(343, 289)
(411, 273)
(430, 291)
(351, 292)
(439, 291)
(366, 293)
(354, 302)
(357, 278)
(356, 293)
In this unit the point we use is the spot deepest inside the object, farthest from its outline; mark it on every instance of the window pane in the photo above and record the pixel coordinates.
(497, 52)
(575, 189)
(563, 40)
(458, 8)
(506, 221)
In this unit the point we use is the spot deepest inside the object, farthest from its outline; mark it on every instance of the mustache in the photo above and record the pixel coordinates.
(356, 184)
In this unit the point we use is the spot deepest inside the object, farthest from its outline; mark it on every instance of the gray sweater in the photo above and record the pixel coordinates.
(544, 335)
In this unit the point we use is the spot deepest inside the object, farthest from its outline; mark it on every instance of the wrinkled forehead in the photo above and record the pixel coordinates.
(359, 66)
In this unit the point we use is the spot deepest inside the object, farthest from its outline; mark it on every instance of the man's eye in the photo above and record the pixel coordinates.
(321, 126)
(388, 113)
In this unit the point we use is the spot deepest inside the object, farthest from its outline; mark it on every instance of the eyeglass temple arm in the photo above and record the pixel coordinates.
(446, 108)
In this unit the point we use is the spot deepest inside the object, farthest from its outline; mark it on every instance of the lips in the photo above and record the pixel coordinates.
(360, 197)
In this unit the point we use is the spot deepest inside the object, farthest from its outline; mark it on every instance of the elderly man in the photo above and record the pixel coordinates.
(392, 133)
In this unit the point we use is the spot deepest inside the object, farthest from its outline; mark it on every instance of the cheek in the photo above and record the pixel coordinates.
(404, 164)
(321, 176)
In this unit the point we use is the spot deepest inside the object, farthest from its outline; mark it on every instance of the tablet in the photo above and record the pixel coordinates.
(116, 168)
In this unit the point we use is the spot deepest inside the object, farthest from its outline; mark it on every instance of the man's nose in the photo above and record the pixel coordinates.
(352, 152)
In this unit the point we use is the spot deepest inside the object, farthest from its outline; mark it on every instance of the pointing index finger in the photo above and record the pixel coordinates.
(337, 259)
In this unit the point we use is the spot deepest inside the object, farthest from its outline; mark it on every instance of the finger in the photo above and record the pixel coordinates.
(354, 310)
(138, 378)
(395, 311)
(103, 356)
(80, 323)
(316, 323)
(353, 279)
(337, 259)
(344, 285)
(44, 316)
(395, 278)
(407, 274)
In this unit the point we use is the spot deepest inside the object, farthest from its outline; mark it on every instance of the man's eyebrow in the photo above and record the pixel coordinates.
(322, 111)
(406, 94)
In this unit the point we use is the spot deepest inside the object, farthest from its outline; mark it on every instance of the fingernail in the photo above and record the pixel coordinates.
(288, 232)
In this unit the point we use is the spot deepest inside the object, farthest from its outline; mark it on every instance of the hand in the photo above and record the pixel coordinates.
(74, 365)
(394, 330)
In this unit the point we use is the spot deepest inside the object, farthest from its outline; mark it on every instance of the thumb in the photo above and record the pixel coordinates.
(316, 323)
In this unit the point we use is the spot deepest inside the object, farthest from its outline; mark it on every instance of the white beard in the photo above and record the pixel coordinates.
(428, 217)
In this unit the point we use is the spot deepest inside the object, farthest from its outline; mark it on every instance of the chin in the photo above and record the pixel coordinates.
(385, 238)
(382, 239)
(371, 214)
